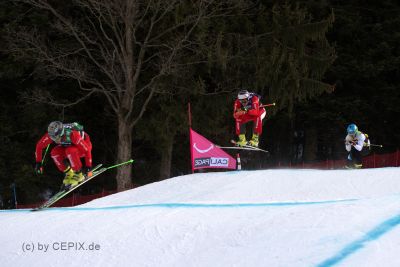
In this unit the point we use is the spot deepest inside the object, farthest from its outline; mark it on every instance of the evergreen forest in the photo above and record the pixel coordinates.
(127, 70)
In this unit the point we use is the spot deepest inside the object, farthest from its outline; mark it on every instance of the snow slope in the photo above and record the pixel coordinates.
(248, 218)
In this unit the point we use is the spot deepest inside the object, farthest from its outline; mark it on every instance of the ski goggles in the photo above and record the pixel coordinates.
(56, 135)
(353, 134)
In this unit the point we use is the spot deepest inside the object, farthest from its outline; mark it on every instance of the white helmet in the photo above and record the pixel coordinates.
(243, 94)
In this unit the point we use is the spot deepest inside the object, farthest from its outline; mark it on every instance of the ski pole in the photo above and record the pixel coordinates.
(40, 171)
(120, 164)
(269, 105)
(45, 153)
(375, 145)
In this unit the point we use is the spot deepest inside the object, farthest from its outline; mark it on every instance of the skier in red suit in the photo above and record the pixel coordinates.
(72, 144)
(247, 107)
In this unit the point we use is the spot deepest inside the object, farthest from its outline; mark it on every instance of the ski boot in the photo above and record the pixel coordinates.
(78, 177)
(254, 141)
(357, 166)
(349, 166)
(242, 140)
(72, 178)
(68, 181)
(353, 166)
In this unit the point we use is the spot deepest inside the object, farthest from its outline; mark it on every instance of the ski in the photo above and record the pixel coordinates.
(245, 147)
(241, 148)
(96, 171)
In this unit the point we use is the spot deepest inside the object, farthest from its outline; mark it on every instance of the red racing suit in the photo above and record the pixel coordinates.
(73, 146)
(248, 112)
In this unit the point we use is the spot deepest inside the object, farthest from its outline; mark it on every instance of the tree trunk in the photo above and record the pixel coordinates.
(124, 153)
(166, 158)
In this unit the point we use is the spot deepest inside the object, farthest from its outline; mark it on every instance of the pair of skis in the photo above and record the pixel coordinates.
(243, 147)
(95, 172)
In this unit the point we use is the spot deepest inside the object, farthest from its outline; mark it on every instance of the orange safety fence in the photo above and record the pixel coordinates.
(371, 161)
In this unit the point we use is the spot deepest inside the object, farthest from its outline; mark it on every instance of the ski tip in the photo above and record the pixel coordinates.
(37, 209)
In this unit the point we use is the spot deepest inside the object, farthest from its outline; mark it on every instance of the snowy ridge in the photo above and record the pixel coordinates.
(248, 218)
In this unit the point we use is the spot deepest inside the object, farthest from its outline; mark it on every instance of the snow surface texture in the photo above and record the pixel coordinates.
(247, 218)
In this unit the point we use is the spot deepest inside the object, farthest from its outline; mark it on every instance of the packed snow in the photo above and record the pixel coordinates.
(239, 218)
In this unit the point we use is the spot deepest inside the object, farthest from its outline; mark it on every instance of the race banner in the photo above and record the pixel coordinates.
(206, 155)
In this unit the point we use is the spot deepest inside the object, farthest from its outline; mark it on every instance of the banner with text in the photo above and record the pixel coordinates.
(206, 155)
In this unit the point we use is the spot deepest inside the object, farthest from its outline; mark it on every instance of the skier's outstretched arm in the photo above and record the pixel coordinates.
(40, 145)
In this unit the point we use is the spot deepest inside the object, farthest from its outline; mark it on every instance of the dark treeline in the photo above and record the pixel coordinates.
(128, 78)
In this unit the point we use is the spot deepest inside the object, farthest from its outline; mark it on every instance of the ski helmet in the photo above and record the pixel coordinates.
(55, 130)
(243, 94)
(352, 129)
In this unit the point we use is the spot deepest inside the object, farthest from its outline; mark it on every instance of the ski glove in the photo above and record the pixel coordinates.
(39, 168)
(239, 113)
(88, 171)
(352, 143)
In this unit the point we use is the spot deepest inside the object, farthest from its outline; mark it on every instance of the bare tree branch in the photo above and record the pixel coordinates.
(120, 49)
